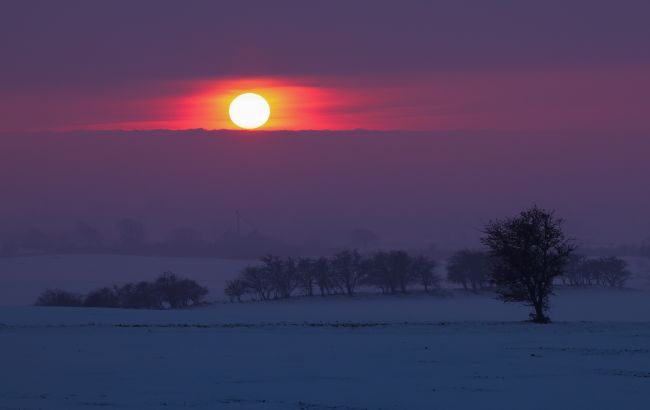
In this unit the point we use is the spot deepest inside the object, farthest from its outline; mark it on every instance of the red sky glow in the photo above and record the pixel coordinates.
(550, 99)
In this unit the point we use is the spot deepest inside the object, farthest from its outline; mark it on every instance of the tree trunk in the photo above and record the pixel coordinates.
(539, 316)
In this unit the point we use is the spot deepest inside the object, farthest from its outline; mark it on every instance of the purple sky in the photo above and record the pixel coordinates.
(514, 103)
(461, 65)
(411, 188)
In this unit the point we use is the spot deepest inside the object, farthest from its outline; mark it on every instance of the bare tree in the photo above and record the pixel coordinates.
(346, 266)
(399, 263)
(469, 268)
(424, 270)
(283, 274)
(610, 271)
(235, 289)
(377, 272)
(575, 273)
(306, 268)
(527, 253)
(258, 281)
(389, 271)
(323, 276)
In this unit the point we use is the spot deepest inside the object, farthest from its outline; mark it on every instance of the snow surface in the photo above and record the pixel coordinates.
(447, 351)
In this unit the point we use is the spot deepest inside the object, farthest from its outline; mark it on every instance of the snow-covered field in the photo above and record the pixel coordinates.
(448, 351)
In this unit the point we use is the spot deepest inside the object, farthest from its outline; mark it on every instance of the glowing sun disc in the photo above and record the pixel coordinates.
(249, 111)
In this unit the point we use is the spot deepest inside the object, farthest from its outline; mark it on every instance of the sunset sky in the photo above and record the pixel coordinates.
(324, 204)
(475, 109)
(444, 65)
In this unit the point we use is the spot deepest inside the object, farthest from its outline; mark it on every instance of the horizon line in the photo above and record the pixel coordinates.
(268, 131)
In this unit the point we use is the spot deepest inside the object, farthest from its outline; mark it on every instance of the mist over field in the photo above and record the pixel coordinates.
(312, 190)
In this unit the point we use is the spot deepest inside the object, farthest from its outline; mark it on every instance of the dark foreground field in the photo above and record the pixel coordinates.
(415, 352)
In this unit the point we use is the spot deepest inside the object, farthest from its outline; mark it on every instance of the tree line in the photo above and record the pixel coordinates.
(395, 271)
(129, 236)
(344, 273)
(525, 256)
(605, 271)
(166, 291)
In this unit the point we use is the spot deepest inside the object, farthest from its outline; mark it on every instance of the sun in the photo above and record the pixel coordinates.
(249, 111)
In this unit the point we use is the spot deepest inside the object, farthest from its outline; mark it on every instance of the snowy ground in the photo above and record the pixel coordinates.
(451, 351)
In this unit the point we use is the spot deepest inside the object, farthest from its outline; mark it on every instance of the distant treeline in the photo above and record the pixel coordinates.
(392, 272)
(167, 291)
(608, 271)
(344, 273)
(525, 256)
(130, 236)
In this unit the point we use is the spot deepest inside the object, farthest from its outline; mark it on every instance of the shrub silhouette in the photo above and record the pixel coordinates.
(167, 291)
(58, 297)
(141, 295)
(177, 293)
(103, 297)
(235, 289)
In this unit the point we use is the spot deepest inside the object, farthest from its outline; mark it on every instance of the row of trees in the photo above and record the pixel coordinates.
(343, 273)
(129, 236)
(472, 270)
(167, 291)
(525, 256)
(394, 271)
(606, 271)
